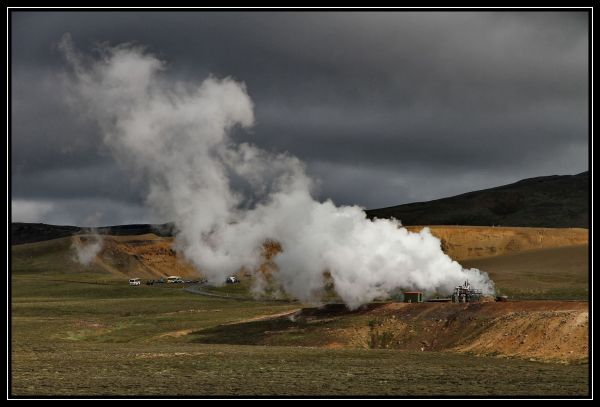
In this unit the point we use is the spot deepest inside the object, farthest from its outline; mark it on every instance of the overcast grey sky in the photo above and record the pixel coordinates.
(384, 107)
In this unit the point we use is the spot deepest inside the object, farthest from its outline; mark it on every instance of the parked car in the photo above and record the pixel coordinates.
(135, 281)
(232, 280)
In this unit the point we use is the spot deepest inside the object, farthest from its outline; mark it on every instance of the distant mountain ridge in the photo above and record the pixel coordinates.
(551, 201)
(37, 232)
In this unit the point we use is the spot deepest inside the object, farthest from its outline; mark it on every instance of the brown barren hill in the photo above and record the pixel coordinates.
(471, 242)
(552, 331)
(145, 256)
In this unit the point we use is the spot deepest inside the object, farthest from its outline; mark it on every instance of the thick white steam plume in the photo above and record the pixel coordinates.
(87, 247)
(177, 136)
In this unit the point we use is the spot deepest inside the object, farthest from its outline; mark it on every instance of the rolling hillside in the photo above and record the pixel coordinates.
(474, 242)
(38, 232)
(553, 201)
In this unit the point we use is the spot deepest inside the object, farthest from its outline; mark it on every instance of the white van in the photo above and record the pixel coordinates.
(174, 279)
(134, 281)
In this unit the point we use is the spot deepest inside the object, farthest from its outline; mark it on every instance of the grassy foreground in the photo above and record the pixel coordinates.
(77, 331)
(192, 369)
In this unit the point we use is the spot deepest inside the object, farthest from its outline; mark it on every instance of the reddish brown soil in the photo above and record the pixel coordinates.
(144, 256)
(542, 330)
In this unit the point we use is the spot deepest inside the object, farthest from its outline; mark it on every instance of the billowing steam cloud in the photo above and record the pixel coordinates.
(87, 247)
(177, 136)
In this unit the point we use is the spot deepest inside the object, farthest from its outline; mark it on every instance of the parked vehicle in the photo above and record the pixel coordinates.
(232, 280)
(174, 279)
(134, 281)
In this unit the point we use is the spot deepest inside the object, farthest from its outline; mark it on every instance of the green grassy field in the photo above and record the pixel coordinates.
(78, 331)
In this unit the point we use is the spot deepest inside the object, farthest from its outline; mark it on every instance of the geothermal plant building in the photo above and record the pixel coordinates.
(466, 293)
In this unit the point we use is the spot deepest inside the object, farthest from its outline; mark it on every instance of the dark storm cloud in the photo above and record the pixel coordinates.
(385, 108)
